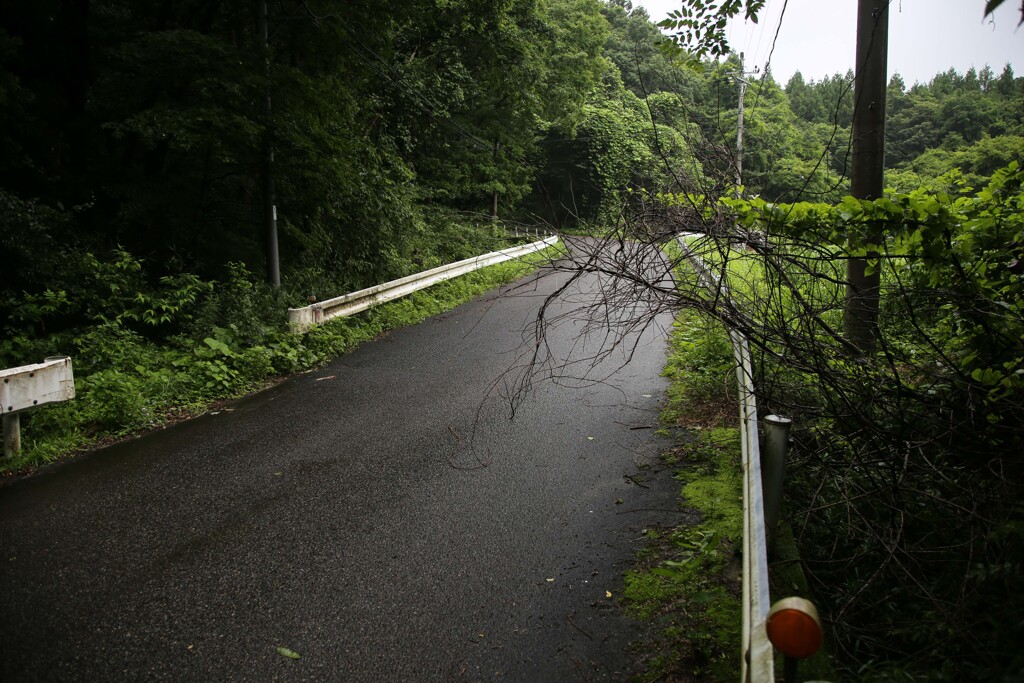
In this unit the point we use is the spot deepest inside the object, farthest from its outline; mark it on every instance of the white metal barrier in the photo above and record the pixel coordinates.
(30, 386)
(796, 629)
(757, 664)
(301, 319)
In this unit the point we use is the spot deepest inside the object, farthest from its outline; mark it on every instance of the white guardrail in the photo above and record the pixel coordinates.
(31, 386)
(301, 319)
(796, 630)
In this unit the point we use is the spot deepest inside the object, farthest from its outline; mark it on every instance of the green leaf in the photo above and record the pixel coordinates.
(218, 345)
(704, 598)
(290, 654)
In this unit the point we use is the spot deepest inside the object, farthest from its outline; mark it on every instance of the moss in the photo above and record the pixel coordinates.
(687, 580)
(716, 488)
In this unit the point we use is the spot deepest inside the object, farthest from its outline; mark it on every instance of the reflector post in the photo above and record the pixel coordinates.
(794, 627)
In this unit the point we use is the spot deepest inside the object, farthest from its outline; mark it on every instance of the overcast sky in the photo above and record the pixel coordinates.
(926, 37)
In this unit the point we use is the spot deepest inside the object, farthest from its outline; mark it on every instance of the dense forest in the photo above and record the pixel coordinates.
(145, 126)
(145, 145)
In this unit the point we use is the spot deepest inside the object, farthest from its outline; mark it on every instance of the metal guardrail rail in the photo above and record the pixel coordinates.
(757, 664)
(791, 625)
(301, 319)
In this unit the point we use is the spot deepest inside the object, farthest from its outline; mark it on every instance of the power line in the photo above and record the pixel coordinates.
(760, 34)
(768, 63)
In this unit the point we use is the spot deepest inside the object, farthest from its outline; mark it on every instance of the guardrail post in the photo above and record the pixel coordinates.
(773, 469)
(12, 435)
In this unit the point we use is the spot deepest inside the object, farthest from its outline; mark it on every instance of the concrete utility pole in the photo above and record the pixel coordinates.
(860, 322)
(739, 131)
(494, 193)
(741, 76)
(269, 207)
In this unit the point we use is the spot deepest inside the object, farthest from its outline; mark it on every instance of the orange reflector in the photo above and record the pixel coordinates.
(794, 628)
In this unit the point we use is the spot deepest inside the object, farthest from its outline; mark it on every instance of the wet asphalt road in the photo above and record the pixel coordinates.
(381, 516)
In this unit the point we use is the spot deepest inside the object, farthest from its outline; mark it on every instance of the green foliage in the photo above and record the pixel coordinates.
(384, 114)
(906, 483)
(616, 151)
(976, 161)
(970, 121)
(90, 290)
(133, 136)
(700, 26)
(702, 372)
(634, 47)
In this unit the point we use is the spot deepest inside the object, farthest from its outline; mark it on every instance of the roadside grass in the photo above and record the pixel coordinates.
(687, 581)
(126, 384)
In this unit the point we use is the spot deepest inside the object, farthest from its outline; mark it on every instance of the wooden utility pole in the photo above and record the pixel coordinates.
(860, 321)
(269, 206)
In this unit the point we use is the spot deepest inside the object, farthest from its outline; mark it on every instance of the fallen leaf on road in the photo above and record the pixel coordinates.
(590, 438)
(321, 379)
(549, 580)
(290, 654)
(607, 594)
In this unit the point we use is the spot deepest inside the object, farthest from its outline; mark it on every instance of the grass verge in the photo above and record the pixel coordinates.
(687, 581)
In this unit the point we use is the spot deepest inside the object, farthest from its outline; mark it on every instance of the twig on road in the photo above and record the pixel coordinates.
(579, 668)
(455, 451)
(633, 480)
(626, 512)
(572, 623)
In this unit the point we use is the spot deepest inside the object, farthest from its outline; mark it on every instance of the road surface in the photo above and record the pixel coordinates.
(381, 516)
